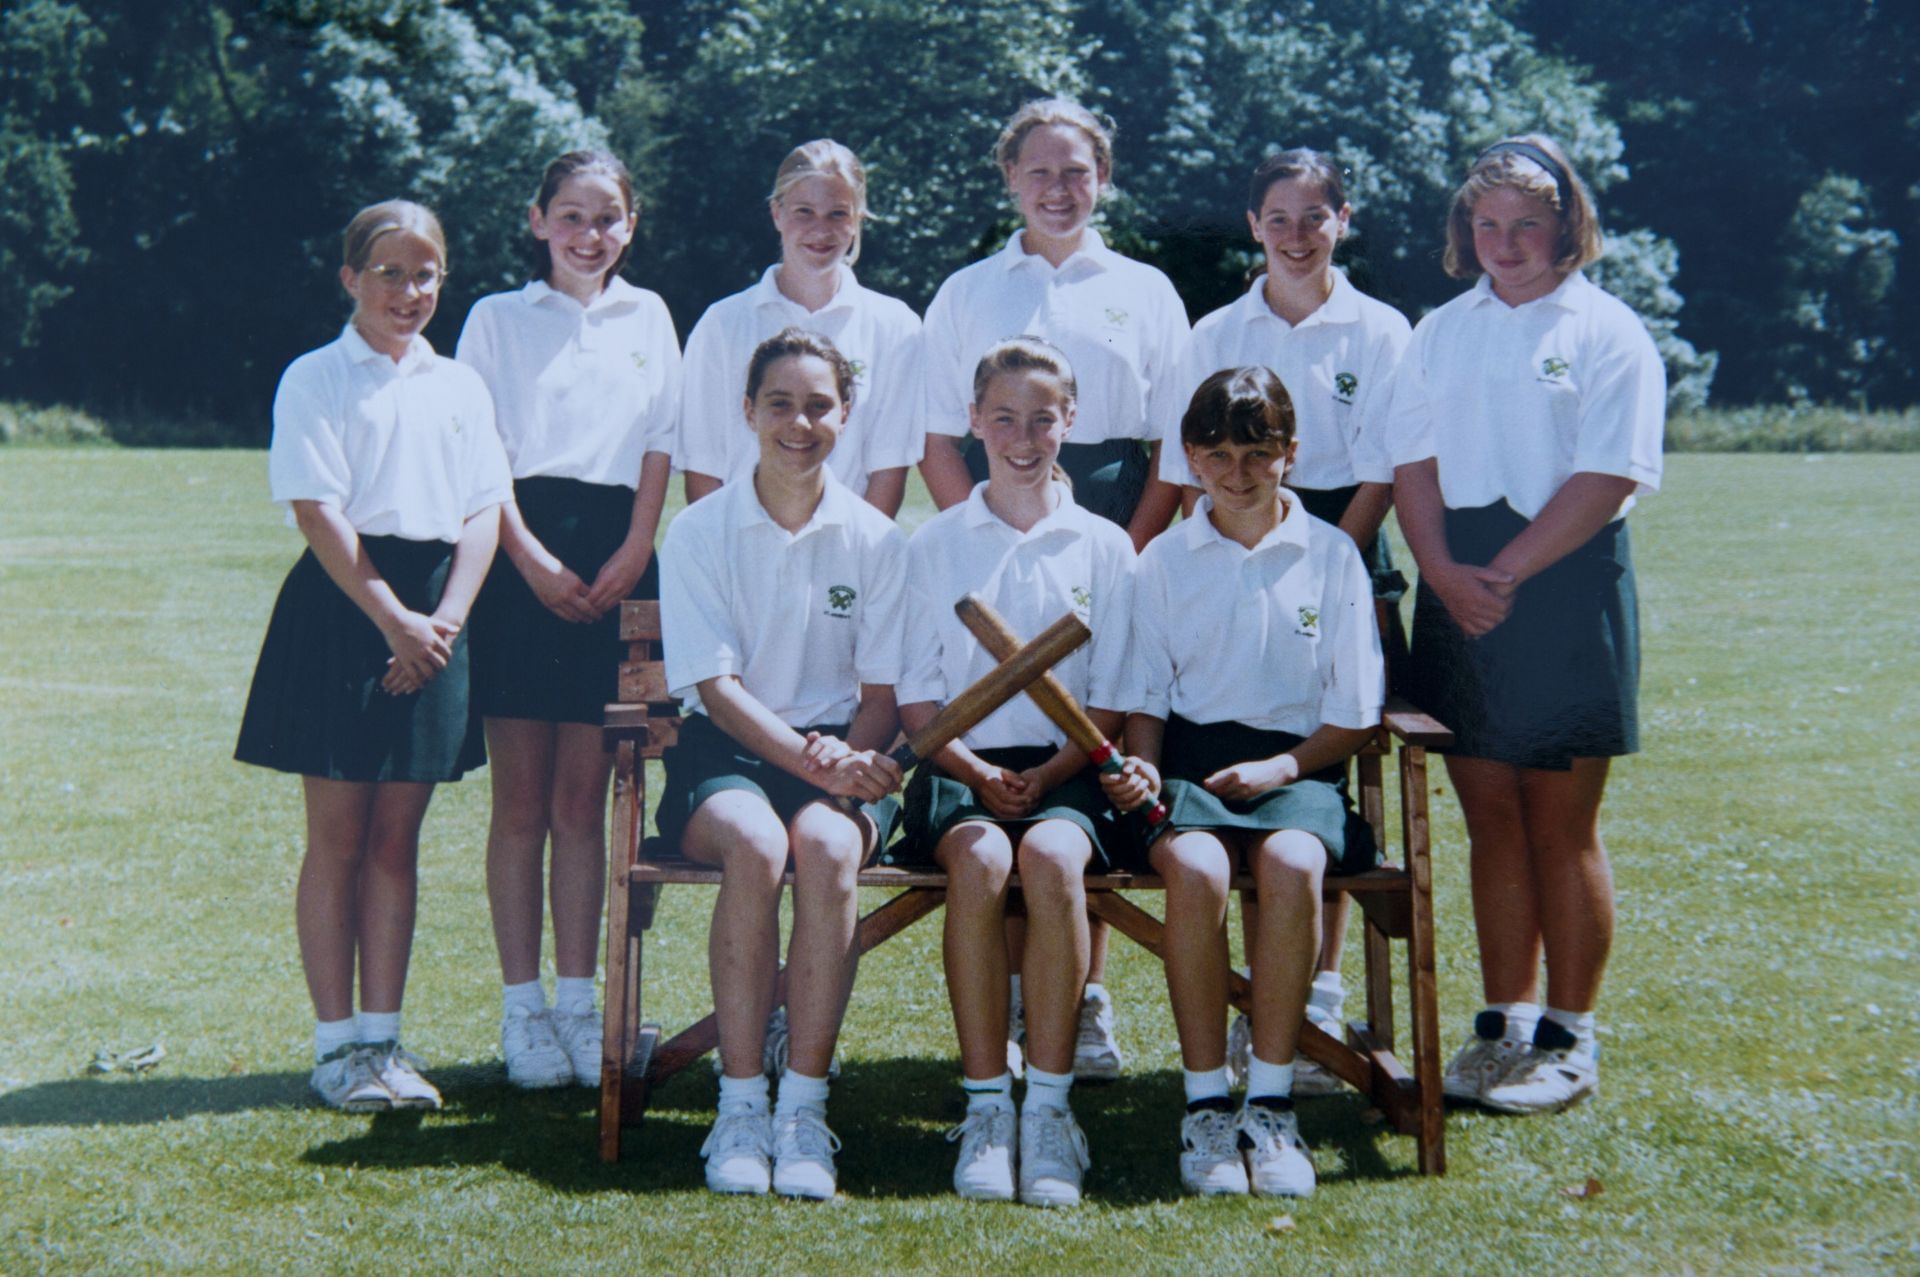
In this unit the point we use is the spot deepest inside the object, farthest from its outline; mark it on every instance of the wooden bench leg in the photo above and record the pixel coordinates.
(629, 914)
(1422, 980)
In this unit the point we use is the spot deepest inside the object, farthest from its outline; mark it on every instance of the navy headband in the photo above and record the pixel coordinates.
(1563, 185)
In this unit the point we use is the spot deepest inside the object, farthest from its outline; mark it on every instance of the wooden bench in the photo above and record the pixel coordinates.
(1396, 903)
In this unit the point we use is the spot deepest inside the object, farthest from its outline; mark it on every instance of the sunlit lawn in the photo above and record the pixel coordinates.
(1762, 1050)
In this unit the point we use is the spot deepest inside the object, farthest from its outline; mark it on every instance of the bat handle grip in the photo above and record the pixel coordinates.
(904, 758)
(1107, 759)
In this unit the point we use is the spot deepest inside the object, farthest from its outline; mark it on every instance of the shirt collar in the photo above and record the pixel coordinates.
(419, 352)
(1341, 307)
(1093, 254)
(1064, 515)
(618, 294)
(1574, 293)
(766, 292)
(835, 508)
(1290, 531)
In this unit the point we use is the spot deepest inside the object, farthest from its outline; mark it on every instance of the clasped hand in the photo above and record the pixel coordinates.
(845, 772)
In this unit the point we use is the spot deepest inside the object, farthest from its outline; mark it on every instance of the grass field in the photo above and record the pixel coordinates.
(1761, 1101)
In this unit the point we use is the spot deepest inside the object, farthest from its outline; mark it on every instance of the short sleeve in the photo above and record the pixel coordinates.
(1170, 399)
(1407, 424)
(1623, 407)
(307, 460)
(1372, 462)
(945, 384)
(1111, 680)
(695, 622)
(710, 398)
(892, 420)
(1149, 654)
(1167, 342)
(489, 477)
(880, 646)
(921, 678)
(1352, 671)
(662, 426)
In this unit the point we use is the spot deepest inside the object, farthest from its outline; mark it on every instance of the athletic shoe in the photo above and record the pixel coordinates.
(774, 1049)
(1096, 1056)
(1053, 1157)
(1239, 1049)
(535, 1057)
(349, 1080)
(984, 1172)
(1309, 1079)
(400, 1073)
(579, 1036)
(803, 1150)
(1017, 1035)
(1545, 1080)
(1210, 1161)
(739, 1153)
(1277, 1162)
(1483, 1061)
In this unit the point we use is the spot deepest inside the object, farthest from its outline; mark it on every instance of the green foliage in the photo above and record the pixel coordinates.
(1839, 285)
(1795, 428)
(26, 424)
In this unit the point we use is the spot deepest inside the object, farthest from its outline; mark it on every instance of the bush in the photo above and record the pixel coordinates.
(23, 423)
(1778, 428)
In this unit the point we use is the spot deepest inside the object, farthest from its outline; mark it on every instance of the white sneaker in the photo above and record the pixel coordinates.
(803, 1150)
(739, 1153)
(534, 1056)
(1210, 1162)
(1309, 1079)
(579, 1037)
(400, 1074)
(1482, 1062)
(349, 1080)
(1053, 1157)
(1239, 1049)
(984, 1171)
(1096, 1056)
(1545, 1081)
(1277, 1162)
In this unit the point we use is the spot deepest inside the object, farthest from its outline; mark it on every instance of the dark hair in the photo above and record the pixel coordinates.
(577, 164)
(792, 342)
(1239, 405)
(1301, 161)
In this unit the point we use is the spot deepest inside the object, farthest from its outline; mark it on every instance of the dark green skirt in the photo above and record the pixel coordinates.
(1559, 679)
(1315, 804)
(529, 663)
(1389, 586)
(316, 707)
(936, 802)
(706, 761)
(1108, 477)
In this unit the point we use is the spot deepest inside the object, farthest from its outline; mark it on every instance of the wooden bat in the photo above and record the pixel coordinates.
(1054, 700)
(1018, 668)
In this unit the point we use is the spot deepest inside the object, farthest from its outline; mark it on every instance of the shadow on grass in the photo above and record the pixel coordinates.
(892, 1116)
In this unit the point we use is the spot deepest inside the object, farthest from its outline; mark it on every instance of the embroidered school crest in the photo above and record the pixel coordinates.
(858, 367)
(840, 601)
(1553, 368)
(1082, 599)
(1117, 317)
(639, 361)
(454, 422)
(1309, 619)
(1344, 385)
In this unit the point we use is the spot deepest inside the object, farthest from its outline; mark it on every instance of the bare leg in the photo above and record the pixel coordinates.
(1197, 867)
(325, 911)
(1288, 867)
(1506, 914)
(520, 756)
(1053, 858)
(389, 884)
(1573, 878)
(978, 860)
(578, 819)
(828, 846)
(738, 832)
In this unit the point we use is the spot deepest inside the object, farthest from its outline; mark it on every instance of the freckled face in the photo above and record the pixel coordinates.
(797, 412)
(1021, 421)
(1241, 477)
(1516, 237)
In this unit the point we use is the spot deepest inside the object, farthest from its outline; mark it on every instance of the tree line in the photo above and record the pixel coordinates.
(176, 175)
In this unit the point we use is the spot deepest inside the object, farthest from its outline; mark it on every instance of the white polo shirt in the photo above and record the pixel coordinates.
(803, 618)
(1070, 561)
(580, 392)
(879, 335)
(1118, 321)
(402, 449)
(1336, 364)
(1512, 401)
(1279, 637)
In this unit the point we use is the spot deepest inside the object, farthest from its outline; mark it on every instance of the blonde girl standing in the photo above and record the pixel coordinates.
(1527, 418)
(819, 209)
(1014, 793)
(585, 374)
(385, 457)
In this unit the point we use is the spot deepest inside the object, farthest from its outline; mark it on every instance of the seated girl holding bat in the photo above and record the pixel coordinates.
(781, 608)
(1014, 791)
(1259, 663)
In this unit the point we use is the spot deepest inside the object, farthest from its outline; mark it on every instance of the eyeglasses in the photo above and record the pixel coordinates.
(427, 279)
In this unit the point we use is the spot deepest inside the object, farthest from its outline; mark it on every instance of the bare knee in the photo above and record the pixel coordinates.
(741, 834)
(1053, 860)
(828, 844)
(1289, 864)
(978, 860)
(393, 852)
(1193, 866)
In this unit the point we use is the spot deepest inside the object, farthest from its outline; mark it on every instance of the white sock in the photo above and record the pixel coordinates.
(1268, 1081)
(743, 1094)
(1578, 1023)
(1014, 1005)
(1046, 1090)
(331, 1035)
(573, 995)
(1205, 1084)
(1521, 1017)
(379, 1026)
(1329, 995)
(988, 1093)
(529, 995)
(798, 1091)
(1095, 992)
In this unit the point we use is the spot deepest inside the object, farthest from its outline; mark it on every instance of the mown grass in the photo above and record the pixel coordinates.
(1762, 1080)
